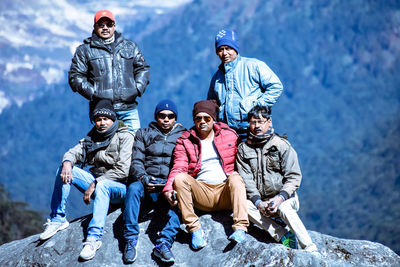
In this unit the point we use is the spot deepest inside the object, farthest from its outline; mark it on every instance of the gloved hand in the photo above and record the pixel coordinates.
(146, 179)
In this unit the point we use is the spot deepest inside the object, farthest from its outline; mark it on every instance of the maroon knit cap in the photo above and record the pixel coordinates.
(208, 106)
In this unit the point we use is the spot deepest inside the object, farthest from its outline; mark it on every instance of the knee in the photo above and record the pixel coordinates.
(100, 185)
(235, 180)
(285, 208)
(102, 188)
(180, 180)
(135, 189)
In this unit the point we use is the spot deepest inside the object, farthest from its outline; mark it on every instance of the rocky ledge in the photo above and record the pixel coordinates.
(258, 249)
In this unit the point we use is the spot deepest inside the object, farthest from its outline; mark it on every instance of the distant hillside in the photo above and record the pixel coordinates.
(339, 63)
(16, 220)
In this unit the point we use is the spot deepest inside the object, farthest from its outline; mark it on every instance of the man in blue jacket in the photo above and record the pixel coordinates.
(151, 157)
(240, 83)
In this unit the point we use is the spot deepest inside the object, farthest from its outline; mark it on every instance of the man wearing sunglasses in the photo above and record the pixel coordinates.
(203, 174)
(240, 83)
(151, 156)
(108, 66)
(271, 172)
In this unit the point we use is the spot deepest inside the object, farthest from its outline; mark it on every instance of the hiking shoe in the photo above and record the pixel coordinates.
(130, 252)
(90, 246)
(163, 252)
(289, 240)
(198, 240)
(312, 249)
(52, 228)
(238, 236)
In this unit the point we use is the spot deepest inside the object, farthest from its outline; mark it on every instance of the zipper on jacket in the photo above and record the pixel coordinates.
(221, 160)
(195, 151)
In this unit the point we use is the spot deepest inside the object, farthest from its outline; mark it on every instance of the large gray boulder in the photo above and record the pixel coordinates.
(258, 249)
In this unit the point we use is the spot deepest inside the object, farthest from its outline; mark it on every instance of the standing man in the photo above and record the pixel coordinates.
(108, 147)
(203, 174)
(108, 66)
(271, 172)
(151, 158)
(240, 83)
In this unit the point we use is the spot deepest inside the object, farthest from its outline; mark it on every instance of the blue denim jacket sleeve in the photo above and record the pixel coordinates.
(270, 85)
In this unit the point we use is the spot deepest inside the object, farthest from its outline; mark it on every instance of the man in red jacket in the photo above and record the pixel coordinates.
(203, 174)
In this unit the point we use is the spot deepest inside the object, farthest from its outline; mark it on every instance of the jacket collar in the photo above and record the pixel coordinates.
(176, 128)
(193, 133)
(227, 67)
(95, 41)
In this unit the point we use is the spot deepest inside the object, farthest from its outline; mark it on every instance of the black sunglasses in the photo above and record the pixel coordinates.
(108, 24)
(163, 116)
(200, 118)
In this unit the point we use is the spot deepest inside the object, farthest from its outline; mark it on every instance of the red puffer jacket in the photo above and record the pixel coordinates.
(187, 153)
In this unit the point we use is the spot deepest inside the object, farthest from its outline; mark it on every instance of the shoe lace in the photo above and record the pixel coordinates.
(131, 244)
(163, 247)
(89, 243)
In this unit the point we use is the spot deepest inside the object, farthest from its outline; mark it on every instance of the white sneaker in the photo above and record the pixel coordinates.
(89, 249)
(52, 228)
(312, 249)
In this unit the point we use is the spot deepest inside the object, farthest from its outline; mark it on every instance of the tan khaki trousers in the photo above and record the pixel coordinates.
(287, 211)
(226, 196)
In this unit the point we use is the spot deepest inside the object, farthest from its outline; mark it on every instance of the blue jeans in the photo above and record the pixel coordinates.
(135, 195)
(106, 191)
(130, 118)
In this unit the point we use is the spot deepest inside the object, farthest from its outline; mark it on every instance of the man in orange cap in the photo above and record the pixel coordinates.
(108, 66)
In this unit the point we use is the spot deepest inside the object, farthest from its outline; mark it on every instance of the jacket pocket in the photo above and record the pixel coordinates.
(245, 105)
(109, 156)
(129, 92)
(251, 157)
(126, 62)
(272, 184)
(273, 159)
(97, 66)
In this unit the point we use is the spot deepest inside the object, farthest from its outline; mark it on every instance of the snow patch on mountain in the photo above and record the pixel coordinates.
(4, 102)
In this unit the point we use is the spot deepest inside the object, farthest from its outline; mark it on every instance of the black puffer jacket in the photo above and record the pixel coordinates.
(152, 151)
(117, 72)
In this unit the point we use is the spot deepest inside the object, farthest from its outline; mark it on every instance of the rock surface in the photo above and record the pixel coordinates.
(258, 249)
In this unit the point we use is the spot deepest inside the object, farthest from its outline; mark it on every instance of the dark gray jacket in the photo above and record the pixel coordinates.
(152, 151)
(117, 71)
(269, 169)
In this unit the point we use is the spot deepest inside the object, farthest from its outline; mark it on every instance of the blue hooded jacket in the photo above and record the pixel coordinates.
(241, 84)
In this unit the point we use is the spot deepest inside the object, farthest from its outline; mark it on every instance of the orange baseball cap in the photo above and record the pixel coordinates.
(103, 13)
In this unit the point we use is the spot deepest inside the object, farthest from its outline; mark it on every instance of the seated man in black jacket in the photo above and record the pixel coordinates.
(151, 156)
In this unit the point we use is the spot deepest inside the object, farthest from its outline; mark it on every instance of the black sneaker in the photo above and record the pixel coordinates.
(130, 252)
(163, 252)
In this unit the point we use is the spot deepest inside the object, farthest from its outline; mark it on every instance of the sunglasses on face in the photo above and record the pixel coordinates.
(108, 24)
(200, 118)
(163, 116)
